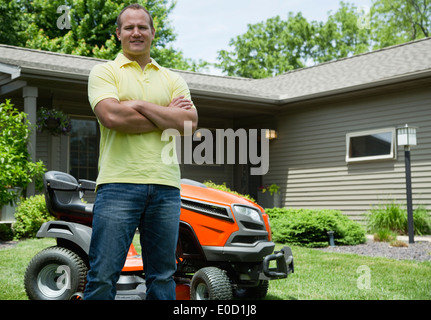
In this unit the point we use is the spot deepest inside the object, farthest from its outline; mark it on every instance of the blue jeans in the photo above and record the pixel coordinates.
(120, 209)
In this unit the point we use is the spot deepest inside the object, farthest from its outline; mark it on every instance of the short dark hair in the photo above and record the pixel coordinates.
(134, 6)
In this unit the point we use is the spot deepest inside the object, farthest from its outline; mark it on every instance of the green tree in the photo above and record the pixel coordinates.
(276, 46)
(10, 22)
(16, 167)
(398, 21)
(86, 28)
(268, 48)
(342, 35)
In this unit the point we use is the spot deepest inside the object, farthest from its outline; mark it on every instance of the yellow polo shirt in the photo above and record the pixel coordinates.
(134, 158)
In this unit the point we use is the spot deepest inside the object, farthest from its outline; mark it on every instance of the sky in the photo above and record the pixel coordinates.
(204, 27)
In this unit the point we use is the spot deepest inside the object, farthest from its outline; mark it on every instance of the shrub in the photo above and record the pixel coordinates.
(398, 244)
(384, 235)
(16, 167)
(421, 221)
(393, 216)
(30, 214)
(223, 187)
(309, 228)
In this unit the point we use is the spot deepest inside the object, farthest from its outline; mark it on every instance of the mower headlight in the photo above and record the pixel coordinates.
(250, 212)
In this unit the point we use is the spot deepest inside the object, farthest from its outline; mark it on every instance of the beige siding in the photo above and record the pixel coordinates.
(42, 147)
(308, 158)
(53, 151)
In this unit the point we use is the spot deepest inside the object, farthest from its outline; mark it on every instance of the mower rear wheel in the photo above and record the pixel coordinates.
(210, 283)
(55, 274)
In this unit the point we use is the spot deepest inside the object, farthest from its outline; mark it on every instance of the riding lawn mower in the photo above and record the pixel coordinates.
(224, 249)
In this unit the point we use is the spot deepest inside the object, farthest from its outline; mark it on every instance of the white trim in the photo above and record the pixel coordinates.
(13, 70)
(390, 156)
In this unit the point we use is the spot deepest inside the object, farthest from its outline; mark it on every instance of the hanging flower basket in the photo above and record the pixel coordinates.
(53, 121)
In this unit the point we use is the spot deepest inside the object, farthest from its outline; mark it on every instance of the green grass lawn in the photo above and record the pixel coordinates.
(318, 276)
(334, 276)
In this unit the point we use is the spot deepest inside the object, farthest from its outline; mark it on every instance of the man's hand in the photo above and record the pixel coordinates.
(122, 117)
(137, 116)
(174, 116)
(181, 102)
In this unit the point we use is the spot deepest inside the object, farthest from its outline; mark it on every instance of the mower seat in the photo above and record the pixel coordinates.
(63, 196)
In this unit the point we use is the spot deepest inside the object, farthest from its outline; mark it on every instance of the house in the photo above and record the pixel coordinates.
(335, 123)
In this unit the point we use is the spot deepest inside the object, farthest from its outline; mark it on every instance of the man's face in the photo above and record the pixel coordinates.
(136, 33)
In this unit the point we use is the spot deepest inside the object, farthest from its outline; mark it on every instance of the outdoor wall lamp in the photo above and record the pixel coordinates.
(407, 137)
(271, 134)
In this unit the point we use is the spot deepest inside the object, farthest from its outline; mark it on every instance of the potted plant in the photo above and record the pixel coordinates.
(53, 121)
(269, 196)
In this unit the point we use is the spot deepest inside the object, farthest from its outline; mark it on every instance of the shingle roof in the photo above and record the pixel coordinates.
(385, 65)
(32, 60)
(411, 59)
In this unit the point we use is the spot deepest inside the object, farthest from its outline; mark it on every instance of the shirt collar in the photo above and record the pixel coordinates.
(121, 60)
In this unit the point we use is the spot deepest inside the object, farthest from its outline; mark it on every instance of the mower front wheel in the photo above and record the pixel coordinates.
(55, 274)
(210, 283)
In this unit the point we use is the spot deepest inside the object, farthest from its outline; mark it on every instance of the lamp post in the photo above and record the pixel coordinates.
(407, 137)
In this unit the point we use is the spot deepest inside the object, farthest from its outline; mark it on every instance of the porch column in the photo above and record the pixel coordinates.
(30, 98)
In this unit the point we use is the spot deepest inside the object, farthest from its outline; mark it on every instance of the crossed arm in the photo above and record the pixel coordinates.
(137, 116)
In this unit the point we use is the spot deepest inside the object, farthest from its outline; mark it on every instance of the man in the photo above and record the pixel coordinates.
(134, 100)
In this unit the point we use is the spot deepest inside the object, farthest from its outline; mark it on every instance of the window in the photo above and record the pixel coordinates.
(371, 145)
(84, 148)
